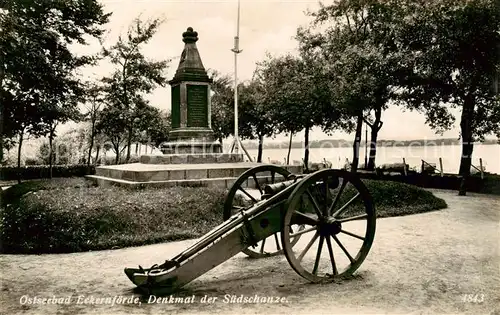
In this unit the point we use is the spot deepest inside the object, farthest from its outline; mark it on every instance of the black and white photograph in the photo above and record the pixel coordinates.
(250, 157)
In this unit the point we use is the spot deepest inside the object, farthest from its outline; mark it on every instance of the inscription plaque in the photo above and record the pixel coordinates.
(176, 106)
(197, 105)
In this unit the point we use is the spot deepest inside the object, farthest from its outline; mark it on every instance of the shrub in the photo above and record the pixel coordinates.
(491, 183)
(42, 171)
(110, 160)
(31, 161)
(14, 193)
(394, 198)
(134, 159)
(61, 152)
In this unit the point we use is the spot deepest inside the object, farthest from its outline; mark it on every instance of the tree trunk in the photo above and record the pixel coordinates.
(116, 148)
(92, 135)
(129, 142)
(97, 154)
(51, 140)
(259, 153)
(467, 142)
(289, 148)
(306, 149)
(355, 146)
(136, 147)
(1, 132)
(373, 139)
(2, 113)
(19, 150)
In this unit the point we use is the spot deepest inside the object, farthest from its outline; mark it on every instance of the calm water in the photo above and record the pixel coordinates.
(490, 154)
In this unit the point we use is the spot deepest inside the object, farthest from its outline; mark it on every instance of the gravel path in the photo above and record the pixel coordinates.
(420, 264)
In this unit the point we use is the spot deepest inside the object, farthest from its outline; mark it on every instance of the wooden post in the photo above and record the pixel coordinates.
(481, 167)
(422, 170)
(441, 166)
(404, 167)
(240, 145)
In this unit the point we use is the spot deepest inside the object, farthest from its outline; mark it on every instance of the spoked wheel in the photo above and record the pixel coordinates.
(339, 217)
(246, 191)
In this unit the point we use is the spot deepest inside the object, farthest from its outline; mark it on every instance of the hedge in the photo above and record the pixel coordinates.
(42, 171)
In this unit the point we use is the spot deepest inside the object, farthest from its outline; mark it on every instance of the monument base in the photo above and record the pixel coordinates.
(195, 146)
(203, 158)
(191, 133)
(139, 175)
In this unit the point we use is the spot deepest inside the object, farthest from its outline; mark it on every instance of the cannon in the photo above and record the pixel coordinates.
(268, 211)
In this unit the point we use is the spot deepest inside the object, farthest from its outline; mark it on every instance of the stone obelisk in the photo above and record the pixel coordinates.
(191, 113)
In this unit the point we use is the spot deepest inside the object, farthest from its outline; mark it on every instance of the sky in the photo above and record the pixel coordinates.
(266, 26)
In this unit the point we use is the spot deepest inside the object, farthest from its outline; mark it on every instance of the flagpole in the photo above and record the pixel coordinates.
(236, 51)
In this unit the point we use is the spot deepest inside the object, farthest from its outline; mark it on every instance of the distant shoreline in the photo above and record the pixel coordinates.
(253, 144)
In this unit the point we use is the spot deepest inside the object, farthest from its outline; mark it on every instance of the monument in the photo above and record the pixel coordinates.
(192, 157)
(191, 111)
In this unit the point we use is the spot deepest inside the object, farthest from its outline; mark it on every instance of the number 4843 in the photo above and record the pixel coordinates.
(473, 298)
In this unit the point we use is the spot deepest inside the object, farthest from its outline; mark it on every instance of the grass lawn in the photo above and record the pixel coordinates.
(71, 215)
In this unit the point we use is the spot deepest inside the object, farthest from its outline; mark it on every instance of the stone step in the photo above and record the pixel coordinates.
(102, 181)
(139, 172)
(202, 158)
(225, 182)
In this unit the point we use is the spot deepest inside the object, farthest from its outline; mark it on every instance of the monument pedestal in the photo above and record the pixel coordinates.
(191, 141)
(191, 147)
(200, 158)
(191, 107)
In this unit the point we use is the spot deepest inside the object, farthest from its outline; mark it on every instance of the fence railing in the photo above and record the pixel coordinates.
(424, 168)
(433, 166)
(480, 169)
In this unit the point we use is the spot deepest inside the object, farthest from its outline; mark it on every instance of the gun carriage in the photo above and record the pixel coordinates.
(269, 211)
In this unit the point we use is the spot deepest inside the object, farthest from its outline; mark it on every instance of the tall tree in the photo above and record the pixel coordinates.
(254, 114)
(36, 64)
(135, 75)
(93, 105)
(455, 58)
(114, 125)
(350, 93)
(222, 103)
(60, 102)
(154, 124)
(355, 42)
(295, 97)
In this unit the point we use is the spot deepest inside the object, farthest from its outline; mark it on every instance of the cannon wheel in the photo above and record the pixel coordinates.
(270, 246)
(333, 213)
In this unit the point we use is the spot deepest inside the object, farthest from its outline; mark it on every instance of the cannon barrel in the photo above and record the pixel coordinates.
(272, 189)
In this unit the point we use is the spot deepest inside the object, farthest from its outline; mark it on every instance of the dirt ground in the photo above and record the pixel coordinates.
(443, 262)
